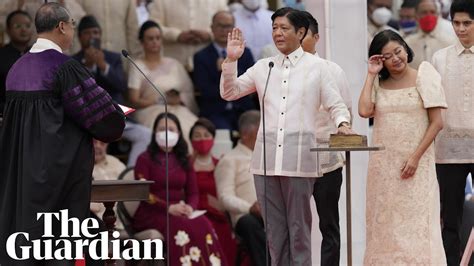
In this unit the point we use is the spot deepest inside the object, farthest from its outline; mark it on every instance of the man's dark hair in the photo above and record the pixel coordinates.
(409, 4)
(13, 14)
(148, 24)
(380, 40)
(459, 6)
(313, 23)
(87, 22)
(49, 15)
(296, 18)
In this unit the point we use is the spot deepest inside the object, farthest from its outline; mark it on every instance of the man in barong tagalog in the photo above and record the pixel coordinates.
(53, 110)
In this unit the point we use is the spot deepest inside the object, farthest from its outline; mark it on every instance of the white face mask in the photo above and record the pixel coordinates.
(381, 16)
(160, 138)
(251, 4)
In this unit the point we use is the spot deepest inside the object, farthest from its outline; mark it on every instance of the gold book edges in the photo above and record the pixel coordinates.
(354, 140)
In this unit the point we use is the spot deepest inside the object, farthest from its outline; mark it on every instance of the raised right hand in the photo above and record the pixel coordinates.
(235, 45)
(376, 64)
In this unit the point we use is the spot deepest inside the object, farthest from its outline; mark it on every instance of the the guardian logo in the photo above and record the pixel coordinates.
(69, 245)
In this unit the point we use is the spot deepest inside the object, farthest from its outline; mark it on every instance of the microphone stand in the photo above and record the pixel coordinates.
(270, 65)
(126, 55)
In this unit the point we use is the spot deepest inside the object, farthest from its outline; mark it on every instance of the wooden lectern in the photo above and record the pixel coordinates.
(110, 191)
(347, 151)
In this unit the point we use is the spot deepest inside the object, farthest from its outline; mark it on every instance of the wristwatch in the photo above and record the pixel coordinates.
(345, 124)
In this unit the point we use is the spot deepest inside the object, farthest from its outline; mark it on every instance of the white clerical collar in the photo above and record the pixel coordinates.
(43, 44)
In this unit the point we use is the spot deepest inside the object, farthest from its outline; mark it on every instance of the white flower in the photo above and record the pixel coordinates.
(215, 261)
(181, 238)
(209, 239)
(195, 253)
(185, 260)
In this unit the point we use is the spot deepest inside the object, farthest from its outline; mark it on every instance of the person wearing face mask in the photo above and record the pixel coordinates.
(407, 18)
(190, 239)
(202, 136)
(434, 32)
(379, 14)
(256, 25)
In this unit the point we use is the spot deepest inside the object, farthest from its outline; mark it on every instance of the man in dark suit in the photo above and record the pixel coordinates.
(107, 69)
(106, 66)
(207, 72)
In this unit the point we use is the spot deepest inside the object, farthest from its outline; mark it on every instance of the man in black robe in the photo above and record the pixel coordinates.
(53, 110)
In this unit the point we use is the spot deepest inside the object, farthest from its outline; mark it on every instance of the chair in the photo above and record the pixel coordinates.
(127, 209)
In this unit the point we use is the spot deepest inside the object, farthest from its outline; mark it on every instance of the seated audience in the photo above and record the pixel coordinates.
(236, 189)
(119, 21)
(190, 238)
(202, 136)
(107, 69)
(20, 30)
(166, 73)
(185, 26)
(207, 73)
(106, 167)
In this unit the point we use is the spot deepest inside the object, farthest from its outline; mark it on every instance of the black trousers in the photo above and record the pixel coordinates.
(250, 229)
(452, 181)
(326, 193)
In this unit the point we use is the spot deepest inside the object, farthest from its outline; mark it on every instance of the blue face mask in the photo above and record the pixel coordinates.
(295, 4)
(408, 26)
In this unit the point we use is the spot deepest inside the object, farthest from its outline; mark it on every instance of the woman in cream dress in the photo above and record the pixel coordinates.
(168, 75)
(403, 208)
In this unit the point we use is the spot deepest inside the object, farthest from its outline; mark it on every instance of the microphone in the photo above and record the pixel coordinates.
(126, 55)
(270, 66)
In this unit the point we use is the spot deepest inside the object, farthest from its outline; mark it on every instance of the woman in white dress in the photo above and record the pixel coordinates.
(403, 208)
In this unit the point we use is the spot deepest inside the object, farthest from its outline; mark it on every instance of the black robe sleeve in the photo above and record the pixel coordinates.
(89, 105)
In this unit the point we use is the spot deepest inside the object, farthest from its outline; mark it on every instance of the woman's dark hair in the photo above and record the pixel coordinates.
(49, 15)
(297, 18)
(145, 26)
(180, 149)
(205, 123)
(380, 40)
(458, 6)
